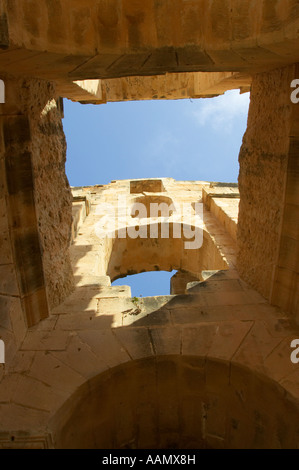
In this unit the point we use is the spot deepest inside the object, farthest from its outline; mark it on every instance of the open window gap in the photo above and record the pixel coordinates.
(184, 139)
(147, 284)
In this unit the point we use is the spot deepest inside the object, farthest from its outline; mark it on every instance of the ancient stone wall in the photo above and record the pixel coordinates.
(263, 168)
(22, 273)
(206, 367)
(37, 197)
(118, 38)
(12, 318)
(285, 290)
(177, 402)
(52, 193)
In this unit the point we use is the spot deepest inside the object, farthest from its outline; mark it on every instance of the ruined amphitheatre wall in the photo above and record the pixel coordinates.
(263, 168)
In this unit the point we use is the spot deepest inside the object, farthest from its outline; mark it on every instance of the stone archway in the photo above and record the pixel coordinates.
(177, 402)
(165, 254)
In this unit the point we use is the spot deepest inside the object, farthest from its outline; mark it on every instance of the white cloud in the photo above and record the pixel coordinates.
(221, 112)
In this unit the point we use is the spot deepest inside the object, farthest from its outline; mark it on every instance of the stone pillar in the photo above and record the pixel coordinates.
(35, 196)
(53, 198)
(264, 180)
(285, 289)
(13, 321)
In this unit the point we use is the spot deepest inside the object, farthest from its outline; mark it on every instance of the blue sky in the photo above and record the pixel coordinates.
(183, 139)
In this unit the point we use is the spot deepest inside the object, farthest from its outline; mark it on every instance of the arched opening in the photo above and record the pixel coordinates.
(164, 253)
(177, 402)
(148, 284)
